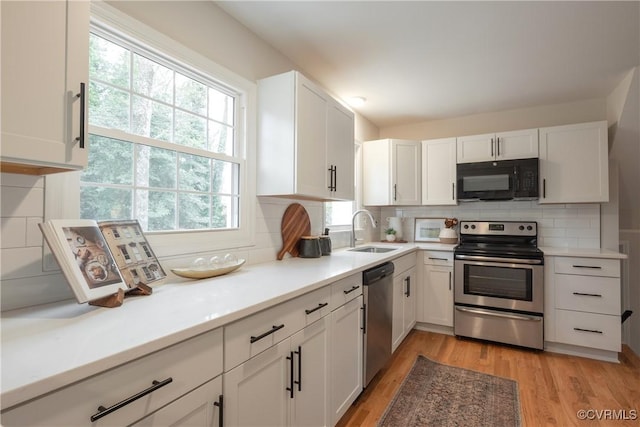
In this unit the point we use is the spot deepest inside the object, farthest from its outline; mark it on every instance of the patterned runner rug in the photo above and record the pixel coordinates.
(433, 394)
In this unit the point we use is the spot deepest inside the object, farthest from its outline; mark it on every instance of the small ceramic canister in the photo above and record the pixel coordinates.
(309, 247)
(325, 245)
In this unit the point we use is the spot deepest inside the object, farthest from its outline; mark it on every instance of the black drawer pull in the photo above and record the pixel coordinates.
(82, 96)
(321, 305)
(595, 331)
(587, 295)
(266, 334)
(102, 411)
(353, 288)
(595, 267)
(438, 259)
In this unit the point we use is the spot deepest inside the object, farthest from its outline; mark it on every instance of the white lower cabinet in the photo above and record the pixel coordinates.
(346, 356)
(199, 408)
(284, 385)
(404, 298)
(133, 391)
(436, 291)
(584, 303)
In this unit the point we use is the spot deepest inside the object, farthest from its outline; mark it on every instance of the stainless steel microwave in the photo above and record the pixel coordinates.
(498, 180)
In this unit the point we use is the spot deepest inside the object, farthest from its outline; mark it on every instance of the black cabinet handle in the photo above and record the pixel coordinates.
(449, 280)
(395, 192)
(491, 147)
(408, 281)
(335, 178)
(453, 191)
(364, 318)
(82, 96)
(438, 259)
(220, 405)
(595, 331)
(353, 288)
(269, 332)
(299, 382)
(595, 267)
(290, 388)
(321, 305)
(544, 188)
(498, 145)
(102, 411)
(330, 177)
(587, 295)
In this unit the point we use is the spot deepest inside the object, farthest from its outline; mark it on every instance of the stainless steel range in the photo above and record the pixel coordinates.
(498, 283)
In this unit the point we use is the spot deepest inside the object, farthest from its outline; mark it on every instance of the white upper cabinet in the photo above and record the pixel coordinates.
(391, 172)
(45, 58)
(305, 141)
(574, 164)
(520, 144)
(439, 172)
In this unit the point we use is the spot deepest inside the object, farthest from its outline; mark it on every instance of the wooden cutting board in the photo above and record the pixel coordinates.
(295, 224)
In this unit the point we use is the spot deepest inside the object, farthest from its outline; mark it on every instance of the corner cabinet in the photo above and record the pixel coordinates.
(391, 172)
(45, 60)
(574, 163)
(439, 172)
(520, 144)
(305, 141)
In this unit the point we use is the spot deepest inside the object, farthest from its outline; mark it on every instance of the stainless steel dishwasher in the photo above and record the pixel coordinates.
(378, 311)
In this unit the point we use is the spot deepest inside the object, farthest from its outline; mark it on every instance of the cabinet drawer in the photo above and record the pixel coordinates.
(344, 290)
(588, 293)
(254, 334)
(188, 364)
(438, 258)
(588, 266)
(588, 330)
(404, 263)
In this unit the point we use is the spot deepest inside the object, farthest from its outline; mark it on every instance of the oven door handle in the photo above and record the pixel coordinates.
(499, 259)
(513, 316)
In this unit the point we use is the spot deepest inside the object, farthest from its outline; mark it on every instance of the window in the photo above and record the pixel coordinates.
(337, 215)
(163, 141)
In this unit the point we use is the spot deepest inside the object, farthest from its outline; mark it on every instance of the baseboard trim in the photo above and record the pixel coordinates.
(590, 353)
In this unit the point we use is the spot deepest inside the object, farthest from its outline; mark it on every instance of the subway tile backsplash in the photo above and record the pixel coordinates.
(574, 225)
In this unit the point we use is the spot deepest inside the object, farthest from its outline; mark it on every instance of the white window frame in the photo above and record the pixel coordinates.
(61, 203)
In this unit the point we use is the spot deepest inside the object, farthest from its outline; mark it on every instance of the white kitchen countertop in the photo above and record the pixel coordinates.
(582, 252)
(50, 346)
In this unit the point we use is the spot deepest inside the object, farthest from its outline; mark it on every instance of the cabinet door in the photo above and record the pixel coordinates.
(405, 172)
(310, 406)
(346, 357)
(439, 172)
(311, 137)
(404, 306)
(40, 113)
(438, 295)
(519, 144)
(376, 173)
(475, 148)
(255, 392)
(198, 408)
(574, 163)
(340, 152)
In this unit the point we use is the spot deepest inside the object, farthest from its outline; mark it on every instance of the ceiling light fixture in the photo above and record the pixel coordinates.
(357, 101)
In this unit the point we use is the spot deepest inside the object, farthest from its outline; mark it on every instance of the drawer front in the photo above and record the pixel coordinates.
(188, 364)
(438, 258)
(345, 290)
(588, 330)
(588, 266)
(404, 263)
(588, 293)
(254, 334)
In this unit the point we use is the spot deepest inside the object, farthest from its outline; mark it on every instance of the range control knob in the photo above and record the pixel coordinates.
(529, 227)
(473, 227)
(466, 227)
(521, 228)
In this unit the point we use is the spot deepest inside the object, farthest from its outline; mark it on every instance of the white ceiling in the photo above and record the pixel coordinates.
(422, 60)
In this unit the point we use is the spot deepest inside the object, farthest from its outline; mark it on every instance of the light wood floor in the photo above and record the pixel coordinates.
(552, 387)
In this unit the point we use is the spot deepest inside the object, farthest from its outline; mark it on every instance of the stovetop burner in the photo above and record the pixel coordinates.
(515, 239)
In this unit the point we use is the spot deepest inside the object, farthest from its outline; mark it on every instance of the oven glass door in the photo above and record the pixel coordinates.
(499, 285)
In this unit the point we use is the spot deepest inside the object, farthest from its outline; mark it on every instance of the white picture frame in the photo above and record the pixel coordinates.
(428, 229)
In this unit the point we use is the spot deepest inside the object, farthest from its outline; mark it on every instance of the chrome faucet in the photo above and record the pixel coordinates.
(353, 225)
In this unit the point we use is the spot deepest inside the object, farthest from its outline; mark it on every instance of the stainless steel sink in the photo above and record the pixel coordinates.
(373, 249)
